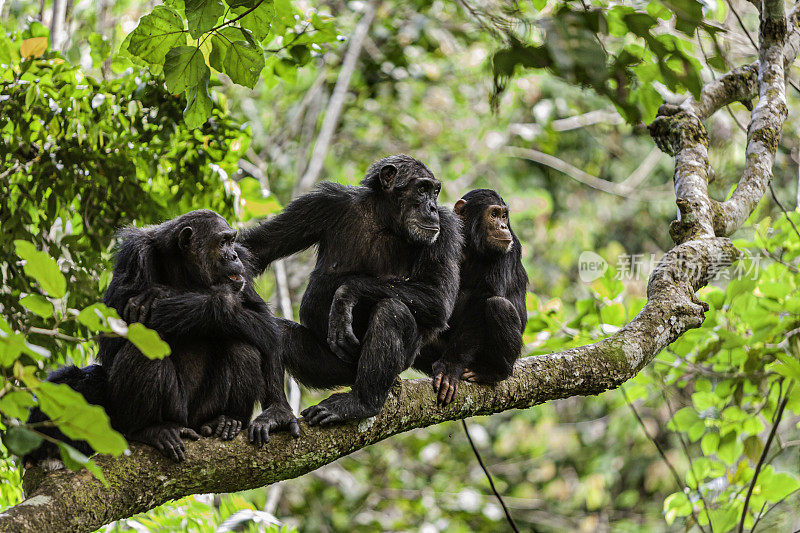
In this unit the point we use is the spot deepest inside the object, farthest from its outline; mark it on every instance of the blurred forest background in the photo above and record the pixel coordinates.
(90, 140)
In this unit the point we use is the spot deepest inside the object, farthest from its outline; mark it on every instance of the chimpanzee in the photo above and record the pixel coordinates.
(384, 283)
(484, 335)
(190, 281)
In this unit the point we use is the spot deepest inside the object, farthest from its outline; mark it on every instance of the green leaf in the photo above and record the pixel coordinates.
(259, 20)
(709, 443)
(20, 440)
(184, 67)
(219, 47)
(38, 304)
(16, 403)
(148, 341)
(42, 268)
(198, 105)
(95, 317)
(76, 418)
(75, 460)
(777, 486)
(202, 15)
(156, 34)
(790, 366)
(244, 63)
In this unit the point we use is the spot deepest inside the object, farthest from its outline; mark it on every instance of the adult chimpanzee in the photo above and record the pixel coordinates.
(484, 336)
(385, 281)
(188, 280)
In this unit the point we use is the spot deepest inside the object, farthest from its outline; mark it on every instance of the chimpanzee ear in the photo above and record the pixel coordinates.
(387, 175)
(185, 237)
(458, 209)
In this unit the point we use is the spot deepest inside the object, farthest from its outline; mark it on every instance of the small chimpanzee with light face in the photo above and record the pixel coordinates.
(484, 336)
(384, 283)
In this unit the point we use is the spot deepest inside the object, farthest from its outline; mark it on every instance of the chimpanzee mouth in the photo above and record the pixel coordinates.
(238, 278)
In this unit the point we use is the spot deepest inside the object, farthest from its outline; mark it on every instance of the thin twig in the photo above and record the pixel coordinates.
(510, 520)
(763, 457)
(663, 454)
(785, 212)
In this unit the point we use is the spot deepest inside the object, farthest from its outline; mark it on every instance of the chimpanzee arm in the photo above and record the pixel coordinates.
(429, 293)
(517, 290)
(301, 224)
(219, 311)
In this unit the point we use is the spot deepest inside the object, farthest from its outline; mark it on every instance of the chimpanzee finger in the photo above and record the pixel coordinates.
(294, 428)
(264, 435)
(437, 382)
(189, 433)
(443, 389)
(351, 341)
(469, 375)
(452, 393)
(206, 430)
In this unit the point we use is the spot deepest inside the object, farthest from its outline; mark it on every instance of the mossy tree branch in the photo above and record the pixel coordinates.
(67, 501)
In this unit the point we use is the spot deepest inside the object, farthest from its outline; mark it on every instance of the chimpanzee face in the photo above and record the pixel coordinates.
(420, 213)
(486, 221)
(496, 232)
(210, 245)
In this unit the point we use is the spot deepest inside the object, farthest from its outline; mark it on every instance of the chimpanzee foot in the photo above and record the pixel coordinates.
(275, 416)
(339, 407)
(445, 382)
(224, 427)
(166, 438)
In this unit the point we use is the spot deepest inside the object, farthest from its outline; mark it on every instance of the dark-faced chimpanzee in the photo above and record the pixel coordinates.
(188, 280)
(484, 335)
(384, 283)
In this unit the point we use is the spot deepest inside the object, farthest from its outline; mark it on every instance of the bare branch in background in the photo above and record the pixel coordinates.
(336, 103)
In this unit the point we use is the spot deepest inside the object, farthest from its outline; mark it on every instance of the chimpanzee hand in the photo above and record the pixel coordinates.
(276, 416)
(166, 438)
(341, 339)
(446, 376)
(138, 308)
(224, 427)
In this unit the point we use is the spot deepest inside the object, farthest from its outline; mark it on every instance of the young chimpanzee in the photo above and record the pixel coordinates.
(385, 282)
(188, 280)
(484, 336)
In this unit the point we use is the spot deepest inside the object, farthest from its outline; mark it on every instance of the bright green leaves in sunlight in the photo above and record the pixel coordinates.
(202, 15)
(244, 39)
(243, 62)
(156, 34)
(42, 268)
(148, 341)
(184, 67)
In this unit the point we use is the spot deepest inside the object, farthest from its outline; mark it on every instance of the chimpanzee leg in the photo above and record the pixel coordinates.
(388, 348)
(310, 361)
(235, 378)
(147, 402)
(502, 345)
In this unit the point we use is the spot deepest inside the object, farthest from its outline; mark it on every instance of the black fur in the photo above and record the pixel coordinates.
(384, 284)
(485, 329)
(188, 280)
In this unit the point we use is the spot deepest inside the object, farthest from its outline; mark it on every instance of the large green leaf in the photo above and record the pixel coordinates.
(202, 15)
(198, 105)
(16, 403)
(148, 341)
(76, 418)
(20, 440)
(42, 268)
(95, 317)
(244, 62)
(184, 67)
(38, 304)
(259, 20)
(156, 34)
(75, 460)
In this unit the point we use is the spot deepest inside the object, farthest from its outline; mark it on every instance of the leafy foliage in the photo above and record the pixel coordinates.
(187, 41)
